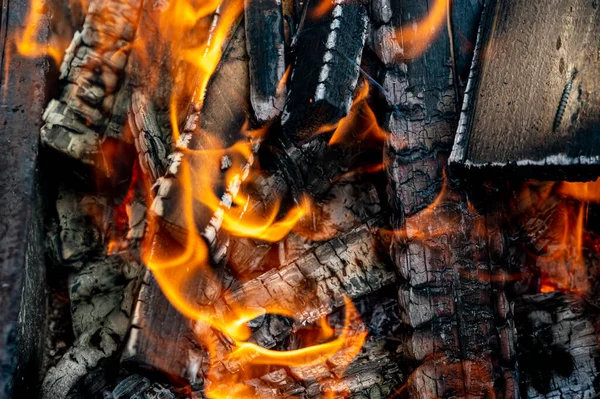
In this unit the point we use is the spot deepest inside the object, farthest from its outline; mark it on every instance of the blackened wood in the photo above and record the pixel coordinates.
(92, 73)
(519, 114)
(22, 273)
(326, 69)
(449, 252)
(558, 346)
(265, 44)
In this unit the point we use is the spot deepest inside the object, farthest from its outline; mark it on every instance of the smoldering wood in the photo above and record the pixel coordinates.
(138, 387)
(529, 122)
(451, 292)
(92, 72)
(353, 264)
(221, 119)
(154, 84)
(102, 295)
(265, 44)
(558, 348)
(22, 270)
(79, 236)
(326, 69)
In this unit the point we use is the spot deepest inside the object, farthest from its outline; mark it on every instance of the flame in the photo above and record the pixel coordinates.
(27, 41)
(562, 263)
(218, 191)
(584, 192)
(417, 37)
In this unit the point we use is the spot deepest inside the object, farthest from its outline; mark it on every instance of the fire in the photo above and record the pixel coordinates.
(417, 37)
(562, 264)
(361, 118)
(27, 40)
(178, 267)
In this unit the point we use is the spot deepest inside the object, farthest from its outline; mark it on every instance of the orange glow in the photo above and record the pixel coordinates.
(360, 122)
(417, 37)
(27, 40)
(323, 8)
(562, 263)
(585, 192)
(430, 222)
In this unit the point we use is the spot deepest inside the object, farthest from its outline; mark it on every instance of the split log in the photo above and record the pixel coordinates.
(91, 104)
(265, 44)
(154, 83)
(326, 69)
(449, 251)
(22, 267)
(537, 122)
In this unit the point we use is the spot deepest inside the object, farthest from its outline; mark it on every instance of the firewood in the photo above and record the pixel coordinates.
(449, 252)
(227, 92)
(326, 69)
(536, 123)
(353, 264)
(22, 272)
(138, 387)
(92, 73)
(265, 44)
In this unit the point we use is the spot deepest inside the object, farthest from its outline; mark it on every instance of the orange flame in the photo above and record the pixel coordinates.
(27, 40)
(562, 264)
(181, 269)
(417, 37)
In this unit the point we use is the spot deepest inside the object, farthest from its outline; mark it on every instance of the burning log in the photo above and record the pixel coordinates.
(557, 84)
(91, 104)
(449, 251)
(265, 44)
(325, 73)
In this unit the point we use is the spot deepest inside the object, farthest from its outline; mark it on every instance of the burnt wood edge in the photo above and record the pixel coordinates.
(552, 167)
(459, 152)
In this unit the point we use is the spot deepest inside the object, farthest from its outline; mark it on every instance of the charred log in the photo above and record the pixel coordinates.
(92, 72)
(265, 44)
(449, 251)
(326, 69)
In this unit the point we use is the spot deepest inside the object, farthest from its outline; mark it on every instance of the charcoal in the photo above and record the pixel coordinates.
(80, 235)
(326, 69)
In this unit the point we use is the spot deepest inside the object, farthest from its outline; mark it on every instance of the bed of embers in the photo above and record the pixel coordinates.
(252, 200)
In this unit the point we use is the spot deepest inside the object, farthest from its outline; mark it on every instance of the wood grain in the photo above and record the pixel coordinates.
(526, 55)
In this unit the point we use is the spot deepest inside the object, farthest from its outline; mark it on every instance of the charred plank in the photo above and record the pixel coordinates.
(555, 138)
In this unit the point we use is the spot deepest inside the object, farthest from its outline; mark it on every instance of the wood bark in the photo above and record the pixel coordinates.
(532, 104)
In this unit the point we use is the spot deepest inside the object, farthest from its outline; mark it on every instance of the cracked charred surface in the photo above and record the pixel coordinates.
(557, 346)
(449, 247)
(93, 103)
